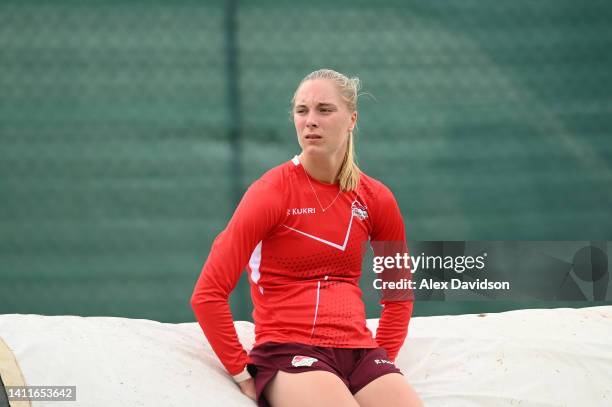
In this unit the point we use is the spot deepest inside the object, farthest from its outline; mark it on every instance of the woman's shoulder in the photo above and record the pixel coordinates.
(278, 177)
(373, 186)
(381, 201)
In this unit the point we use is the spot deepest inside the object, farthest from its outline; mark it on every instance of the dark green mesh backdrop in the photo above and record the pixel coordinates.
(128, 130)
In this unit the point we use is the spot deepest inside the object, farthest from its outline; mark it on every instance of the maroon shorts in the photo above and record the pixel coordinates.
(356, 367)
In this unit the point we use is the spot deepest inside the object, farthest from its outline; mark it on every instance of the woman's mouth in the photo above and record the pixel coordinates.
(312, 137)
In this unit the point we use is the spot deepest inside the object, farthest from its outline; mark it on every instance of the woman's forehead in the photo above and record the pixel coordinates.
(317, 91)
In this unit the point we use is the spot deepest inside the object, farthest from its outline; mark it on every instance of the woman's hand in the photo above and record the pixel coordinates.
(248, 388)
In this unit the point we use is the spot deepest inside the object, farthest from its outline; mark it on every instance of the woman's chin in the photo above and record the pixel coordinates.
(313, 149)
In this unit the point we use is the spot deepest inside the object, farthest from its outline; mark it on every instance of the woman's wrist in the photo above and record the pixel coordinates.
(242, 376)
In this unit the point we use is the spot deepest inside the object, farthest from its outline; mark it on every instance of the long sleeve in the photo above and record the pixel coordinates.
(259, 211)
(393, 326)
(388, 239)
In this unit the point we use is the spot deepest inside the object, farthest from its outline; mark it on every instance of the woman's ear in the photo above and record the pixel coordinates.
(353, 120)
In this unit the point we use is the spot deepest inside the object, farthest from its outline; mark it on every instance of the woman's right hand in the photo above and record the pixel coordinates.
(248, 388)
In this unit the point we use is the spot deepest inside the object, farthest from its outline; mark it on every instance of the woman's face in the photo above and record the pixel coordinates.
(322, 119)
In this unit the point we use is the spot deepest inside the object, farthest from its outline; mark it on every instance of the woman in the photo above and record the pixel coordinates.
(300, 229)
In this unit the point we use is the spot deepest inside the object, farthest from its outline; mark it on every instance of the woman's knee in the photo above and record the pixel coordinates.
(314, 388)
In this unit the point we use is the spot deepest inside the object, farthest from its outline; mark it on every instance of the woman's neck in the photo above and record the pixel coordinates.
(323, 169)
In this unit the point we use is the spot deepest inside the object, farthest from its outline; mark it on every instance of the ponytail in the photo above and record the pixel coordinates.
(349, 172)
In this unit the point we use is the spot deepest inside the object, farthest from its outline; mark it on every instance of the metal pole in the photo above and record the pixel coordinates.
(234, 118)
(234, 126)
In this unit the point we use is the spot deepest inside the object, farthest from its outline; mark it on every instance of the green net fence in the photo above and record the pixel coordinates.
(129, 129)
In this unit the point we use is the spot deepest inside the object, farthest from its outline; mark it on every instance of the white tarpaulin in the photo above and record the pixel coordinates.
(557, 357)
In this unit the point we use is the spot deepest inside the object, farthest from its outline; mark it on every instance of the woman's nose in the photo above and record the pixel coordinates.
(311, 122)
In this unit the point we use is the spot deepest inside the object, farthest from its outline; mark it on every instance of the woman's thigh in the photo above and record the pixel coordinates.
(308, 389)
(389, 390)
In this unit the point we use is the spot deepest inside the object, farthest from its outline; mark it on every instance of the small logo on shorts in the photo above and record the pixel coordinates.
(303, 361)
(382, 361)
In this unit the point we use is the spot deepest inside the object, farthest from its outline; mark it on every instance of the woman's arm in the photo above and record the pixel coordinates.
(259, 211)
(393, 326)
(389, 238)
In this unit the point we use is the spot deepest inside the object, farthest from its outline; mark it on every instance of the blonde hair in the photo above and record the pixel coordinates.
(348, 88)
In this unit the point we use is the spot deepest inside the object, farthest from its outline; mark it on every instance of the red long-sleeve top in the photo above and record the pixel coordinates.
(304, 266)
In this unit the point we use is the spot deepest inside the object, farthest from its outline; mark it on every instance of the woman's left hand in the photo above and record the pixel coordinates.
(248, 388)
